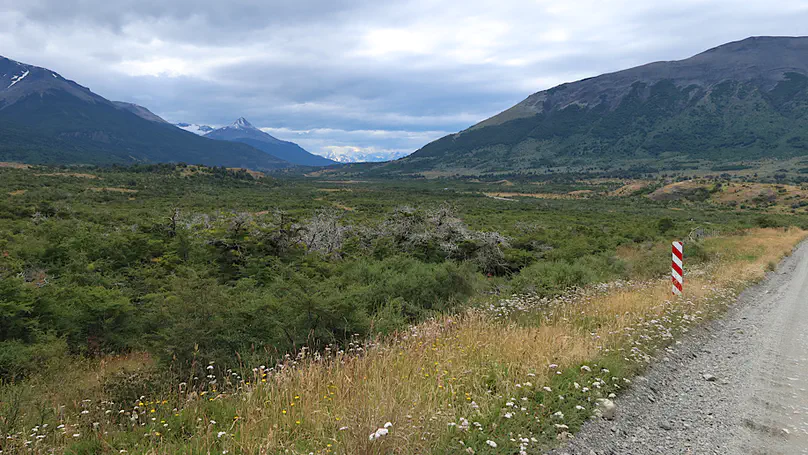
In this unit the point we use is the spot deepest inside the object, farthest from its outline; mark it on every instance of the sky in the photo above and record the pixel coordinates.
(363, 75)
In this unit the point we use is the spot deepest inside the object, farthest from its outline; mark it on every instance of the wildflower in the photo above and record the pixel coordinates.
(547, 389)
(508, 415)
(76, 435)
(464, 424)
(378, 434)
(558, 415)
(586, 368)
(388, 425)
(553, 366)
(491, 443)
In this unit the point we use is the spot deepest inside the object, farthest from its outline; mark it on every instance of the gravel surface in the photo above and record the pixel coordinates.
(739, 385)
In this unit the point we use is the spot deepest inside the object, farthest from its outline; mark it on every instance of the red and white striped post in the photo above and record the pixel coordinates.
(677, 268)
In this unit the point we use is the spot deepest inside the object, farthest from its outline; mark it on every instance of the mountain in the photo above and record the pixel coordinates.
(356, 155)
(739, 102)
(242, 131)
(201, 130)
(45, 118)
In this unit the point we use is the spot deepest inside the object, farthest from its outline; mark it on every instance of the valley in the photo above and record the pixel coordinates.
(173, 281)
(172, 308)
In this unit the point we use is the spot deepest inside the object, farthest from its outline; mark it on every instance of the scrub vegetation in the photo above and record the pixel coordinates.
(181, 309)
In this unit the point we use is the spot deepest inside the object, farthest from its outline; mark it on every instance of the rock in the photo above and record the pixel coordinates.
(666, 426)
(607, 408)
(708, 377)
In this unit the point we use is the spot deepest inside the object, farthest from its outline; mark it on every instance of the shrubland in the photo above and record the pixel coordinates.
(205, 310)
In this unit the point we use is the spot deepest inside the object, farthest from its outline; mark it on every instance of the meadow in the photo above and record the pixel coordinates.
(179, 309)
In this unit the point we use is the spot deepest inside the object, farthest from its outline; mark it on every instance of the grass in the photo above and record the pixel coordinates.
(520, 374)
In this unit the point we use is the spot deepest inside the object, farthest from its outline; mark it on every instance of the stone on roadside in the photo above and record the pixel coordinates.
(607, 408)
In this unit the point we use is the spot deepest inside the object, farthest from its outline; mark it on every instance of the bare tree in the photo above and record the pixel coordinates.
(324, 232)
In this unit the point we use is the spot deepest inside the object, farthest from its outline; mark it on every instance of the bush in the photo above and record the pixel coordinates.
(551, 278)
(18, 359)
(664, 225)
(200, 320)
(767, 222)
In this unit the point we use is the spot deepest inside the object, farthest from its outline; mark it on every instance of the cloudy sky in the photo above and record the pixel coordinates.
(365, 75)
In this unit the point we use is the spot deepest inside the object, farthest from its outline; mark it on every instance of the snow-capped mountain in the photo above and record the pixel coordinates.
(195, 128)
(357, 155)
(242, 131)
(18, 80)
(45, 118)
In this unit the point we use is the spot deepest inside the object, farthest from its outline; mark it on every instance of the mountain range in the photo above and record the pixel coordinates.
(736, 103)
(731, 107)
(242, 131)
(47, 119)
(355, 155)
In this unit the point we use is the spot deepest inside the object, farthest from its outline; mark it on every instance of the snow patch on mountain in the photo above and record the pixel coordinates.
(15, 79)
(200, 130)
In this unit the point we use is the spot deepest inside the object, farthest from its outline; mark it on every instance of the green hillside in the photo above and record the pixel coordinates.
(739, 103)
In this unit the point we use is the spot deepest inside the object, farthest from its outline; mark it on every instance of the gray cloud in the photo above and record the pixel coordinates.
(339, 70)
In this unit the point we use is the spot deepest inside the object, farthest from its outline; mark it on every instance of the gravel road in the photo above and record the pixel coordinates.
(737, 386)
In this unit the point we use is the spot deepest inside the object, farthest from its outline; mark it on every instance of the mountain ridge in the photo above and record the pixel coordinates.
(739, 101)
(243, 131)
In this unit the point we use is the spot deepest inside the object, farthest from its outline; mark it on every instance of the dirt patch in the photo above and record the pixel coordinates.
(629, 188)
(254, 174)
(689, 189)
(113, 190)
(69, 174)
(14, 165)
(780, 197)
(17, 193)
(533, 195)
(346, 182)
